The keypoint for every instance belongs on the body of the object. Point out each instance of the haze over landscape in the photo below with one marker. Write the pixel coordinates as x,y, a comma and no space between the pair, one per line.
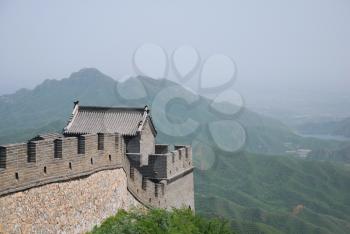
275,160
292,56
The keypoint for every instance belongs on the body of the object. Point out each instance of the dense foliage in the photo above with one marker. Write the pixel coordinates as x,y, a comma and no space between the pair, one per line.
158,221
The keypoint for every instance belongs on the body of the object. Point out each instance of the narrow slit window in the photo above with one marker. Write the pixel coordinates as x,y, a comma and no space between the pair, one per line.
31,149
81,145
58,148
156,190
2,158
117,141
100,141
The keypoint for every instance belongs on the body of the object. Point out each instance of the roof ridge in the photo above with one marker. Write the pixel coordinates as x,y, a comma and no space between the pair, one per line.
112,108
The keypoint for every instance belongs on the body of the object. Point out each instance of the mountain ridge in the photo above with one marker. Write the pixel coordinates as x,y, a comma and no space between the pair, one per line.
52,101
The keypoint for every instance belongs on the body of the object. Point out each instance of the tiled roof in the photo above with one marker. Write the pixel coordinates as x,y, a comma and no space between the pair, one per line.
123,120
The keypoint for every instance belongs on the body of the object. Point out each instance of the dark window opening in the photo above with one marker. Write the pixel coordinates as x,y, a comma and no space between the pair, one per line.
132,173
91,161
110,158
58,148
116,141
2,158
81,145
45,171
17,176
100,141
31,152
70,165
144,183
156,190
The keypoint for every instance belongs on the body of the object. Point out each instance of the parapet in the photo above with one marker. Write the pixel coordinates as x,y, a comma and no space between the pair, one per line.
150,183
46,160
56,158
164,164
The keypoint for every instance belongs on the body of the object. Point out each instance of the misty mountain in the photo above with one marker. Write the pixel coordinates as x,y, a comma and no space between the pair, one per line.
48,106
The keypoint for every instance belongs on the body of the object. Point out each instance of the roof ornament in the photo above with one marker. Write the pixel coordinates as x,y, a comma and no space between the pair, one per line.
73,115
146,109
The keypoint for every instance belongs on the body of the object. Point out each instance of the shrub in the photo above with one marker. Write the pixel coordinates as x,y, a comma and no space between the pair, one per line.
159,221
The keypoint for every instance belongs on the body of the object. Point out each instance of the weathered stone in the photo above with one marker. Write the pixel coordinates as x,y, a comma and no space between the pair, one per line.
71,207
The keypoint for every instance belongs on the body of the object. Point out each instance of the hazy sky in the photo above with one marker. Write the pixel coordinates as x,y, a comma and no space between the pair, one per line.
278,45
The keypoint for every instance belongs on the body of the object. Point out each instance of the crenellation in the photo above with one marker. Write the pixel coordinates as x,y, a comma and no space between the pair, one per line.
155,176
161,148
20,174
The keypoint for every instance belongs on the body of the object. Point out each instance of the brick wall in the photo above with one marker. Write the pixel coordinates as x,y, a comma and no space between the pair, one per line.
20,174
165,182
166,173
147,143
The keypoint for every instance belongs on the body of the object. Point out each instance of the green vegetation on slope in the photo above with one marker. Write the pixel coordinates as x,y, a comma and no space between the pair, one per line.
157,221
275,194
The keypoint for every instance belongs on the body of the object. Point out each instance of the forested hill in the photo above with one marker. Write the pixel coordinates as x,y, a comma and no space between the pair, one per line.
48,106
275,194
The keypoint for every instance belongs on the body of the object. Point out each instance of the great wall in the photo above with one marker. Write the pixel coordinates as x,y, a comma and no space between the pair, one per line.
85,173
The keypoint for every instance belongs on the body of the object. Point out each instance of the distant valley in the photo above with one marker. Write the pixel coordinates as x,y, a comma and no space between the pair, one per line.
332,128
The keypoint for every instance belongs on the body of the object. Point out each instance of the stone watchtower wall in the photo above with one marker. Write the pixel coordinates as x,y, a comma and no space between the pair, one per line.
30,170
40,162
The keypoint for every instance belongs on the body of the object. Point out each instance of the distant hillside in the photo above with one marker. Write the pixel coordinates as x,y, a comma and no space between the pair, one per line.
48,106
333,128
276,194
342,154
